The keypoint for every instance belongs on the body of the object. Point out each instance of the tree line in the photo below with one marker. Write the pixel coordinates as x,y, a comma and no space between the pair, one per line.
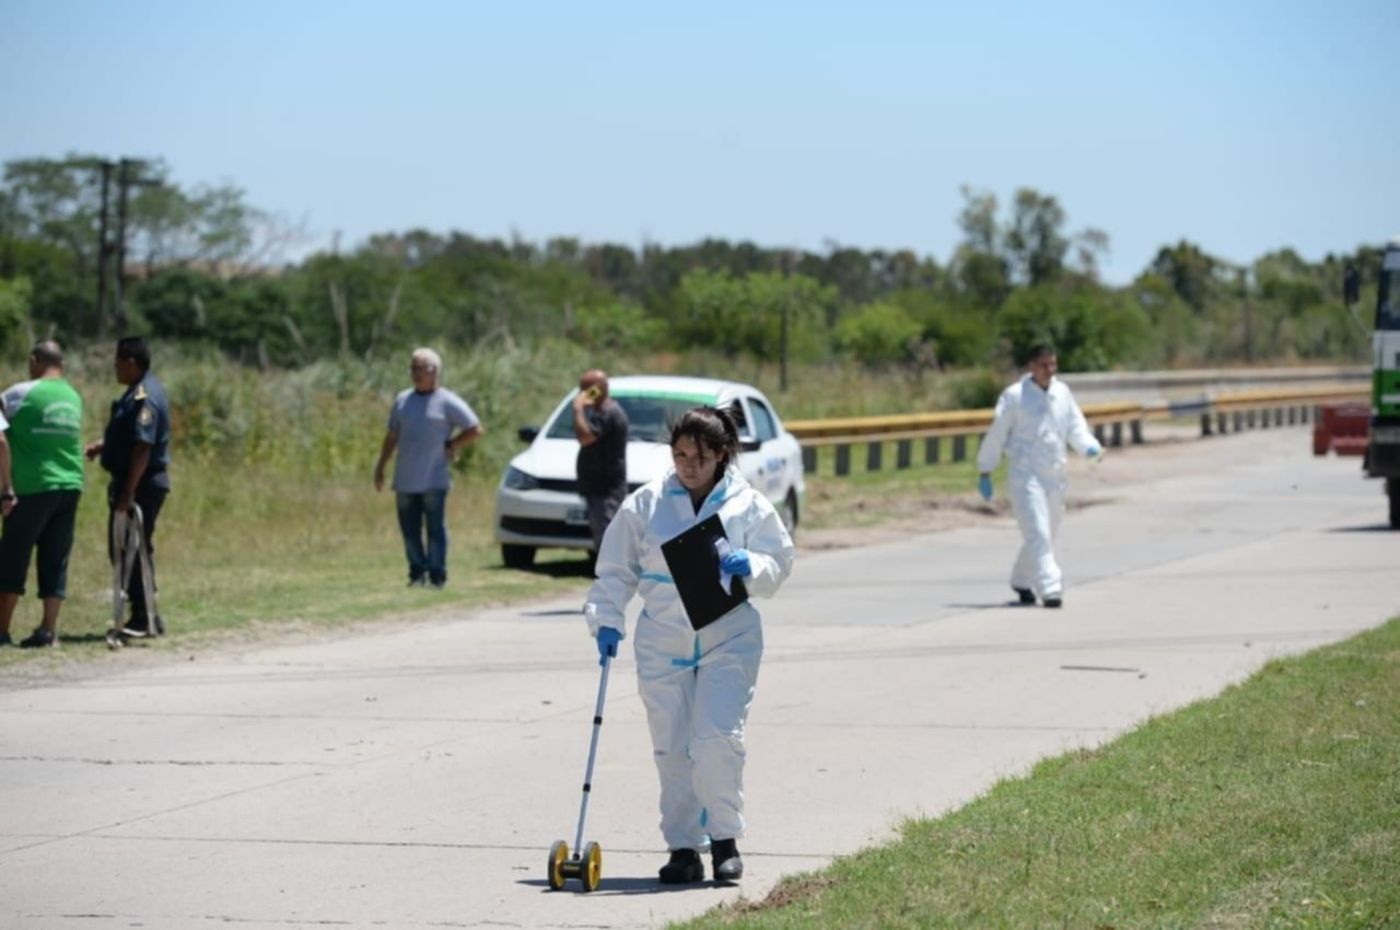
200,264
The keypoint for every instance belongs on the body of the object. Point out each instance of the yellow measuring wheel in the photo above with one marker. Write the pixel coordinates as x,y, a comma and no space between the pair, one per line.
586,865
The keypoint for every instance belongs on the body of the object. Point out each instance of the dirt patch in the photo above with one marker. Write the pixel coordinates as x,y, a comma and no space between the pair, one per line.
789,891
61,666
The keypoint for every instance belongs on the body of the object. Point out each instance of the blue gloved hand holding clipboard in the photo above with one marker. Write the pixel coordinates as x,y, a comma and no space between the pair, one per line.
694,558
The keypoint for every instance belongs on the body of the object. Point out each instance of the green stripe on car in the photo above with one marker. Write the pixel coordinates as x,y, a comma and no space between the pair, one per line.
669,395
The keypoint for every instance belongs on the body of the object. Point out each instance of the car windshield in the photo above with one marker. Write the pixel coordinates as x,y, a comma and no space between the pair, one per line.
650,414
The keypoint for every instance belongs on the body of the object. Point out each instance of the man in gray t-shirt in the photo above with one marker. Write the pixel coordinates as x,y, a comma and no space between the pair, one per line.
422,424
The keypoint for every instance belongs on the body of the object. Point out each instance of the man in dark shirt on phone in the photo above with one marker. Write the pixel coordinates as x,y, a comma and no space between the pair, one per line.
601,425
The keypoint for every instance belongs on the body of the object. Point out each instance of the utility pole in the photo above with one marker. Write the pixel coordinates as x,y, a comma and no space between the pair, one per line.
102,252
128,176
128,173
783,347
788,261
1248,334
123,182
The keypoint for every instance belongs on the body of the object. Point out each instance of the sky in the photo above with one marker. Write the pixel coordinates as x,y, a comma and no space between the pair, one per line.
1241,126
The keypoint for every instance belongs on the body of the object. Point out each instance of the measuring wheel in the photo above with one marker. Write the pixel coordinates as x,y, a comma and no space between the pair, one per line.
587,868
591,867
558,858
587,862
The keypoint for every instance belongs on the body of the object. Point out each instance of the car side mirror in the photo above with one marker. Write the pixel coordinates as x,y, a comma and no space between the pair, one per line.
749,445
528,433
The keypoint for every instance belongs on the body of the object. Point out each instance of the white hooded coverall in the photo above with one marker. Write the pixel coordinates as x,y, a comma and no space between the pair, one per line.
1032,426
697,685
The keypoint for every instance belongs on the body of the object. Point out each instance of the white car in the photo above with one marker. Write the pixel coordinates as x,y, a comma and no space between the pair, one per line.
538,504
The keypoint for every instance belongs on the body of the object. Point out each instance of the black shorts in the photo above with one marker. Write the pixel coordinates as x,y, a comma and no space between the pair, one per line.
45,522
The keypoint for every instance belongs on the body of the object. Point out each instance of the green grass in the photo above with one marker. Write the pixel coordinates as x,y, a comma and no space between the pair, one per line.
256,547
233,553
273,519
871,498
1275,805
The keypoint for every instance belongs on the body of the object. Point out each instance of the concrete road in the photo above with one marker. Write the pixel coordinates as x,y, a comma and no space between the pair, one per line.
416,777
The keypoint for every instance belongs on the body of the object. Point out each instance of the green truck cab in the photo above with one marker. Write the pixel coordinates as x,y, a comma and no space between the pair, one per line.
1383,447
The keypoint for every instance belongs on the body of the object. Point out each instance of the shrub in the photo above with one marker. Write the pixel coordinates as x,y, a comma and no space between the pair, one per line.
976,390
1091,330
618,327
878,333
14,314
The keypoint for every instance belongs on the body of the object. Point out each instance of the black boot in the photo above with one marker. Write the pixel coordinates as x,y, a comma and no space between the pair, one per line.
1025,595
724,854
39,639
683,868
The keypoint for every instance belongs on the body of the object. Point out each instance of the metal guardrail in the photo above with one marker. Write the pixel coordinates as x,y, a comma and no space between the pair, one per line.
1149,386
1221,413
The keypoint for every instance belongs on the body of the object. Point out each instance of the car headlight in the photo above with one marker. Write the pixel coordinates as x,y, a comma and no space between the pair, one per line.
518,480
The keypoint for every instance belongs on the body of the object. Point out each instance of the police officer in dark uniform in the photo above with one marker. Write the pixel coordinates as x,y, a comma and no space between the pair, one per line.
135,451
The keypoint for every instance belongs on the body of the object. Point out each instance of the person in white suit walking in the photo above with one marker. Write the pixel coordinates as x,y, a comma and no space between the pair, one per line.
1035,419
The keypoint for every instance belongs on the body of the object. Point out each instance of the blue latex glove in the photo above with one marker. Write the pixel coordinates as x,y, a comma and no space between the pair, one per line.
984,487
608,638
737,563
1094,451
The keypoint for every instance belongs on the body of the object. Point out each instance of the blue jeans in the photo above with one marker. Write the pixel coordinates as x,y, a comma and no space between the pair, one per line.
414,511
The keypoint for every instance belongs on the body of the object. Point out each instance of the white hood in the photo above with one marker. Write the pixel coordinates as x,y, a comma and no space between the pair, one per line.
558,459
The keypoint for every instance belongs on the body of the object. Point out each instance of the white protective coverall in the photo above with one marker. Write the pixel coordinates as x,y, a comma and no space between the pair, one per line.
1032,426
696,685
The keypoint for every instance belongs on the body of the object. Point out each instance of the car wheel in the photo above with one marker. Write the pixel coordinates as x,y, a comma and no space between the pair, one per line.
788,512
518,556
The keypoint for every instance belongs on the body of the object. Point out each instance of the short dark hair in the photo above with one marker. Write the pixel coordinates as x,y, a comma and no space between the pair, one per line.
712,428
47,353
135,348
1039,351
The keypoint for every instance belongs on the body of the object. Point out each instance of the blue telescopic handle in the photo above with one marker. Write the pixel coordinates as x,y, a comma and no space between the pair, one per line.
592,753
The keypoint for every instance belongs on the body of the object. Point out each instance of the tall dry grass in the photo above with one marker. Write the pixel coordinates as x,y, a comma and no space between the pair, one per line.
273,514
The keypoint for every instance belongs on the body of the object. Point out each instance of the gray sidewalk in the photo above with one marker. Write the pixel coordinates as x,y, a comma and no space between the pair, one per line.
416,778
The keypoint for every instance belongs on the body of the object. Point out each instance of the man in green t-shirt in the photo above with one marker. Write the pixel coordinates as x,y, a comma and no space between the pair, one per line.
45,434
7,489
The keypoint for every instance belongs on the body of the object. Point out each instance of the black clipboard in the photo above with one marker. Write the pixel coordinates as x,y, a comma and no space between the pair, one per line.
694,565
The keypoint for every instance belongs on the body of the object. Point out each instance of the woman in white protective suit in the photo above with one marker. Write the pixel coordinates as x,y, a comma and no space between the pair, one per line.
697,685
1035,418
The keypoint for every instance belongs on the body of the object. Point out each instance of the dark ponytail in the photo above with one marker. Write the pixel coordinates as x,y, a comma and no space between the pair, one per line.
714,429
